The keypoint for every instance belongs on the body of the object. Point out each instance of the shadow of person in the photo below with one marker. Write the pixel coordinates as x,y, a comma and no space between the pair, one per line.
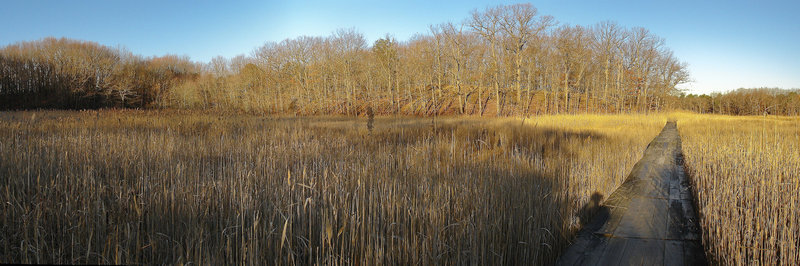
593,211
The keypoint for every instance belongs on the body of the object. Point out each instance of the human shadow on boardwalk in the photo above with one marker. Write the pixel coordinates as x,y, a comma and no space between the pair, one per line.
594,213
649,218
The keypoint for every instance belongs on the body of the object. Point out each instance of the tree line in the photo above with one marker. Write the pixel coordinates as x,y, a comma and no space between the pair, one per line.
503,60
72,74
758,101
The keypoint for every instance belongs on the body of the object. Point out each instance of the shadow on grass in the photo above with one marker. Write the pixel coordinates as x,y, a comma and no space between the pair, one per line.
419,192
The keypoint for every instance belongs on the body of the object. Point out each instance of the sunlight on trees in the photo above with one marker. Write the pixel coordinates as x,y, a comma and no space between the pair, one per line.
503,60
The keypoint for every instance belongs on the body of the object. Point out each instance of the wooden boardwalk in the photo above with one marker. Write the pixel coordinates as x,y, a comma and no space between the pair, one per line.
649,220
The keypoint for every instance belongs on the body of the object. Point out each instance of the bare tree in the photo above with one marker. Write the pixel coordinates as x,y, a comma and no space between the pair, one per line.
520,25
385,50
487,25
608,39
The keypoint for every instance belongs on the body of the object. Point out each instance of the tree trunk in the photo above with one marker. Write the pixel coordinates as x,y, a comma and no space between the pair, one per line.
497,94
566,92
480,94
519,78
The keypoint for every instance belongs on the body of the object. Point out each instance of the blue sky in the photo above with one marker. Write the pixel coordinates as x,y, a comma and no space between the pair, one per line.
727,44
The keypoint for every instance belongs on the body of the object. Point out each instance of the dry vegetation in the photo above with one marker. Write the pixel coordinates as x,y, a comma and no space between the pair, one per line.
746,174
505,60
149,187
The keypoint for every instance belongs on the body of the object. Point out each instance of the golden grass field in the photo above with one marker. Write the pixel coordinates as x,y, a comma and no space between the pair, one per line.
747,176
130,186
158,187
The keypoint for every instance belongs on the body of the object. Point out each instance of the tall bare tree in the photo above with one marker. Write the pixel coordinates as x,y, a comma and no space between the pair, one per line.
521,25
487,25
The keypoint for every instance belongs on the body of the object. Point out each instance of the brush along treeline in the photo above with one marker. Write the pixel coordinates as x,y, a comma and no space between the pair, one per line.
149,187
746,172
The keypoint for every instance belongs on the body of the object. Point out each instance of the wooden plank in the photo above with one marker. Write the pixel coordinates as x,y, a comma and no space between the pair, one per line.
673,253
643,252
612,254
645,218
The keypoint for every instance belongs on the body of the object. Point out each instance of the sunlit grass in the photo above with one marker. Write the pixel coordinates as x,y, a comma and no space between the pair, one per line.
747,176
155,187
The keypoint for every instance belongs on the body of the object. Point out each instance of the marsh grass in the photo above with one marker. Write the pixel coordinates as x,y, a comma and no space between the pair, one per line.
746,172
155,187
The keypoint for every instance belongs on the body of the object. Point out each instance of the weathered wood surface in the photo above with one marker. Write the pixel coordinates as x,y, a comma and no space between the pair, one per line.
649,220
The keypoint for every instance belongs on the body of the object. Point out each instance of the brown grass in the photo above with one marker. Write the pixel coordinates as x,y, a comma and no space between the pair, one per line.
151,187
747,176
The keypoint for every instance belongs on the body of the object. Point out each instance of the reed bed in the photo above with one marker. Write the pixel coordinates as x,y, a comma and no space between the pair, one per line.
746,171
127,187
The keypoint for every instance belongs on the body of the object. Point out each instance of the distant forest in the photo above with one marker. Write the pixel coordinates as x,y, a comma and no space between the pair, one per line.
504,60
760,101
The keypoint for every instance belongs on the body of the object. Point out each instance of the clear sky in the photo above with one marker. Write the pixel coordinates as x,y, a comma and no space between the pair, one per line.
727,44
